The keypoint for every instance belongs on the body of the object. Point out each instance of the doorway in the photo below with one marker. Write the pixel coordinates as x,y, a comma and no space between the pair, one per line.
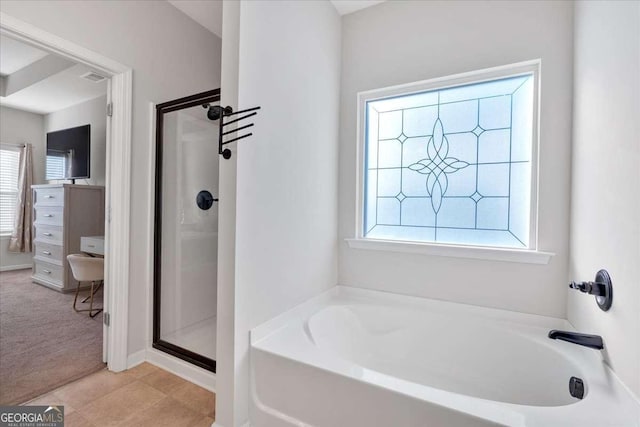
117,177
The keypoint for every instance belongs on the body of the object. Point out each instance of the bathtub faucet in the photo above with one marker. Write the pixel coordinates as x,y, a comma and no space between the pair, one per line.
601,288
586,340
591,288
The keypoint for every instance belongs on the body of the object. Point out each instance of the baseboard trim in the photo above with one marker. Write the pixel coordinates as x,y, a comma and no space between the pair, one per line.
216,424
179,367
136,358
16,267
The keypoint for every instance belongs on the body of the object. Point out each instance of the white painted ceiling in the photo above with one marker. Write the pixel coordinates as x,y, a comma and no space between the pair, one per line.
208,13
15,55
53,93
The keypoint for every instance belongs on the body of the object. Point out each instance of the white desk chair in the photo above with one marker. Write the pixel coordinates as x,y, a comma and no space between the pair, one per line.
87,269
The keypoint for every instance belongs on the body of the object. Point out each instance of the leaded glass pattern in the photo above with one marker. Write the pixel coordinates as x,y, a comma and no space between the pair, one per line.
451,165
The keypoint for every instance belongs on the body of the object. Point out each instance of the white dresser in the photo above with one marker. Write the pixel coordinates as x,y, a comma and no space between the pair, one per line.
62,213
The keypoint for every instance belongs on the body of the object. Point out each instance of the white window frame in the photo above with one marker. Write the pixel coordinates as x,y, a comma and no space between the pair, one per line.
532,254
16,148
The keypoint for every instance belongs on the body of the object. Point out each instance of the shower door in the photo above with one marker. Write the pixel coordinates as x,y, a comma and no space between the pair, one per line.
186,229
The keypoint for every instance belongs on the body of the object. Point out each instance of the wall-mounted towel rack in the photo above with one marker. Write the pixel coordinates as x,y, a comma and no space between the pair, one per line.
218,112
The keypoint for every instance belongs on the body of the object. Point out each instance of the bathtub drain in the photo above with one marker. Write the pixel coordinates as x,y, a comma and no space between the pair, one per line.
576,387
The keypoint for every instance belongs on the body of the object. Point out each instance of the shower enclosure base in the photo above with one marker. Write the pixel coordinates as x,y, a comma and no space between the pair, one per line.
190,372
199,337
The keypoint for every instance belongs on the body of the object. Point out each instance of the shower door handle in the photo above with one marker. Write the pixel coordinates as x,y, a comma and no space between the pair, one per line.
205,200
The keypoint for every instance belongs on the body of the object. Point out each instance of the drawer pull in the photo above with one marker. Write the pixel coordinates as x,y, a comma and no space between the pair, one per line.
47,271
48,216
46,252
48,196
91,246
47,234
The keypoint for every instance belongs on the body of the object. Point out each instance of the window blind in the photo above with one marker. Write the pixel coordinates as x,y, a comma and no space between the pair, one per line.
56,166
9,167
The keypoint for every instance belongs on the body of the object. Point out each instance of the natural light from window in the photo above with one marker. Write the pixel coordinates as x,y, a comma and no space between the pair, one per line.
56,166
452,165
9,164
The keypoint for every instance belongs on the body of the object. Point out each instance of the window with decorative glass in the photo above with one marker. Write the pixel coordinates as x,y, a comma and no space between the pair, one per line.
452,161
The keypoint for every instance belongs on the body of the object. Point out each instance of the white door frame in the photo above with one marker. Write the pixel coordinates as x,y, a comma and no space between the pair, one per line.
118,177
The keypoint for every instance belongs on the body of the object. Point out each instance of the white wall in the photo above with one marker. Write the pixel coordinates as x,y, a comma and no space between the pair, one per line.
605,203
11,260
286,206
93,112
171,57
226,391
19,127
405,41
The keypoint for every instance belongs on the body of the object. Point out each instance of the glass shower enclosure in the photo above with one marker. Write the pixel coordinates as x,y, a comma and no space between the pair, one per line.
186,229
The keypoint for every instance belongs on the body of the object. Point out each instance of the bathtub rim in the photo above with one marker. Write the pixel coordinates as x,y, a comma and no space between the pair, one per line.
621,400
301,311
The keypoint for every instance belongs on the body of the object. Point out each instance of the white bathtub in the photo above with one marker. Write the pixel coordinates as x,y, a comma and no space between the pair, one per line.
352,357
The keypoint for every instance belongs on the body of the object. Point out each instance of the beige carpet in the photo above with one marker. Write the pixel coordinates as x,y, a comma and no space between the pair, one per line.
43,343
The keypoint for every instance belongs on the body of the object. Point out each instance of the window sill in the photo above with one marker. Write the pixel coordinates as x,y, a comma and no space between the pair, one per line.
455,251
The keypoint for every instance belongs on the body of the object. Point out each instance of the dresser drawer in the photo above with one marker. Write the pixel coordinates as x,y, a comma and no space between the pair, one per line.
48,196
51,215
49,234
50,272
48,252
92,245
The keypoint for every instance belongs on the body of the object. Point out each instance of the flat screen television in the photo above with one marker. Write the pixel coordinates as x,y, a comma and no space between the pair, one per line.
68,153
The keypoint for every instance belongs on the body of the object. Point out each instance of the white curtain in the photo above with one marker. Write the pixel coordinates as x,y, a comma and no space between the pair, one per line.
22,235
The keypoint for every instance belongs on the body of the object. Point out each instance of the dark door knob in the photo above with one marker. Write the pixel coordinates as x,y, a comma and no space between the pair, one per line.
205,200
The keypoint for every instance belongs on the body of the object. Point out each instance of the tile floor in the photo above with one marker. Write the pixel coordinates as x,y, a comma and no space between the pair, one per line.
142,396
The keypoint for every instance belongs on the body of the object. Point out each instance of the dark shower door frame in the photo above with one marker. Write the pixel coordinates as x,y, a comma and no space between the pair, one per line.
161,109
